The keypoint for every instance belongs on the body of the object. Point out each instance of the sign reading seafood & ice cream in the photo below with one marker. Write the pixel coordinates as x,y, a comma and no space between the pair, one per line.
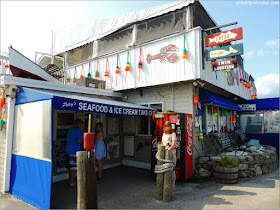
224,37
224,52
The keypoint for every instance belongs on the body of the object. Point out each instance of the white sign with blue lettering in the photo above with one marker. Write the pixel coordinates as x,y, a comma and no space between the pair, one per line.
86,106
247,107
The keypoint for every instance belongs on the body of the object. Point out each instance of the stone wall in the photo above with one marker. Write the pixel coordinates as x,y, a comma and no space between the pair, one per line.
252,163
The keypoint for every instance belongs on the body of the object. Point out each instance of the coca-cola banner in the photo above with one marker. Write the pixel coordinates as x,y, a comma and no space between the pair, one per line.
189,147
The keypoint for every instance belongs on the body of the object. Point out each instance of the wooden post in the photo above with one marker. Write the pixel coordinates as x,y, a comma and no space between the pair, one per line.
167,186
81,180
159,188
91,182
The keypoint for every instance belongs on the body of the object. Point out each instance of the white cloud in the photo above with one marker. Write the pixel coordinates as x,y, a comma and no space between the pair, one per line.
261,52
249,53
273,43
276,53
267,86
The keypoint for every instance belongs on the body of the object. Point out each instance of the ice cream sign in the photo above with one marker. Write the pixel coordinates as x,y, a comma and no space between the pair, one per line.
224,52
224,37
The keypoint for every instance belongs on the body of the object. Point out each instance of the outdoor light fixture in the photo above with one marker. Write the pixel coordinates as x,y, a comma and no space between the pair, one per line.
195,83
201,83
125,97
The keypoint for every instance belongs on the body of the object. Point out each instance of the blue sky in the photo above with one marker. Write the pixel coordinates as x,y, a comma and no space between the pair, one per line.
260,25
29,30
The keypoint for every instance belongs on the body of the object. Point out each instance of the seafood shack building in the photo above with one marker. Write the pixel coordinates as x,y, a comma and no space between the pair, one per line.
137,58
139,54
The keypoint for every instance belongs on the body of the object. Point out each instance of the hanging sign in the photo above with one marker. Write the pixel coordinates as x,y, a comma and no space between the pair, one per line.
166,54
224,64
224,37
224,52
247,107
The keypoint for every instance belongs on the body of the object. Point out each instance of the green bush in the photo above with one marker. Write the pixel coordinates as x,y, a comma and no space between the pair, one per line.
227,161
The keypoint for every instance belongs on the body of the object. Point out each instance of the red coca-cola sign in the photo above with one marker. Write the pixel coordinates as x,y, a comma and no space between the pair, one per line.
167,54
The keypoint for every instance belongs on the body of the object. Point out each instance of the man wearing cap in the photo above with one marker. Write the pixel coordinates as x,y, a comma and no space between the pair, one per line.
74,141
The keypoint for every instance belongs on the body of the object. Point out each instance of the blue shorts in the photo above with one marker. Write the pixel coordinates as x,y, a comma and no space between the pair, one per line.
100,151
72,163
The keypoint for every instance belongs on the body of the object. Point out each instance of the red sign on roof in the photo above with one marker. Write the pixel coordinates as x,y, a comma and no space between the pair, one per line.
224,37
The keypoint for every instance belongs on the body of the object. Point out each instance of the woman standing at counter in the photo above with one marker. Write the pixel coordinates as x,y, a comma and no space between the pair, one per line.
100,151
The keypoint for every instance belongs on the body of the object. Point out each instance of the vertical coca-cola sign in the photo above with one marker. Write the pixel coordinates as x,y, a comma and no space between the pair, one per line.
189,147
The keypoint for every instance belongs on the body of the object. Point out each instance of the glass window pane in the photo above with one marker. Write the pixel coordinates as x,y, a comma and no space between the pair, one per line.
271,121
210,120
252,123
215,120
161,26
143,125
115,42
203,119
79,55
157,107
129,125
65,119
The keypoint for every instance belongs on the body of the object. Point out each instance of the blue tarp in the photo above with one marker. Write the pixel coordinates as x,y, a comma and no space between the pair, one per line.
31,180
210,98
265,103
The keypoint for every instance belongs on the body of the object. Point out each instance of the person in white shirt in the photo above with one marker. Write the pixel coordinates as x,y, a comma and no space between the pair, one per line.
169,140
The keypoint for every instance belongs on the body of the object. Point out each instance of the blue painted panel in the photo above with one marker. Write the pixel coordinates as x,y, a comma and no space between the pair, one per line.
31,180
265,103
271,139
26,95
